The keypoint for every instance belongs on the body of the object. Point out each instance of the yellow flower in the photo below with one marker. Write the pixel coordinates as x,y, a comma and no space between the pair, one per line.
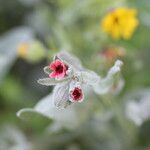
120,22
31,51
23,49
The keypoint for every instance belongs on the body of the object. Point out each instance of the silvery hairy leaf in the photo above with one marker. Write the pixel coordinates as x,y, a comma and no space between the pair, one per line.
89,77
47,70
70,60
102,86
117,86
115,69
61,95
45,107
52,81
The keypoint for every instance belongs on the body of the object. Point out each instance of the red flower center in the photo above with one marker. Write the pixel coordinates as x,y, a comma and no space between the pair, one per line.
59,68
76,94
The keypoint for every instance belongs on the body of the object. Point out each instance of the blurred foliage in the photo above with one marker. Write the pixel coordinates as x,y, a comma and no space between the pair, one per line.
72,25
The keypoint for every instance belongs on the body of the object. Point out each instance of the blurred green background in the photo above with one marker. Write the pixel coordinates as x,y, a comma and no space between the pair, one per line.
31,32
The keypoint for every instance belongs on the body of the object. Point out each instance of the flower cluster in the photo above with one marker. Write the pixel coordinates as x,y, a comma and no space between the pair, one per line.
69,76
60,71
120,22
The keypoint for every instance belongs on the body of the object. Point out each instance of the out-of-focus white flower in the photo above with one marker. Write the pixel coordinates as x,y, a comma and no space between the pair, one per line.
8,47
138,106
12,138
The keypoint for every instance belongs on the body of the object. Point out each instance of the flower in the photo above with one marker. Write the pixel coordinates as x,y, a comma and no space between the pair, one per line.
137,106
76,95
69,89
58,68
22,49
120,22
32,51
